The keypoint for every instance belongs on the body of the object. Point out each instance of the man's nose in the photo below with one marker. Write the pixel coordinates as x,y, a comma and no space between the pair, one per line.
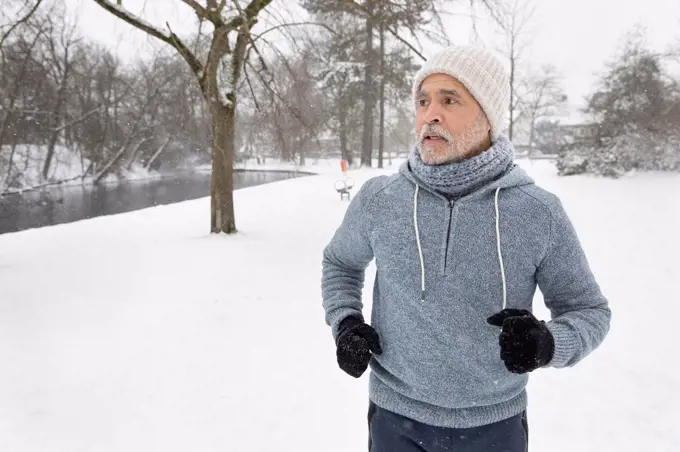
433,114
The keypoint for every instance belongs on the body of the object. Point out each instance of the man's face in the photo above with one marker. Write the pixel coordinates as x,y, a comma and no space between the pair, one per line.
450,124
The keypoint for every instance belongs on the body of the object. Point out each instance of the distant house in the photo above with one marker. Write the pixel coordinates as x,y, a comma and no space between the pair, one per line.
581,133
579,128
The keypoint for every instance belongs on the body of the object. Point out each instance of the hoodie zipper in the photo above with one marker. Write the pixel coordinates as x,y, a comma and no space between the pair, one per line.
448,235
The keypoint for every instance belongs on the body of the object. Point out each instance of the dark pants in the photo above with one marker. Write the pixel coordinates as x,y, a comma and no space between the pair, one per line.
390,432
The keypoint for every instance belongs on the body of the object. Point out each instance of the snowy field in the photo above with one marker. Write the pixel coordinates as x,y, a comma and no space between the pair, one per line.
140,332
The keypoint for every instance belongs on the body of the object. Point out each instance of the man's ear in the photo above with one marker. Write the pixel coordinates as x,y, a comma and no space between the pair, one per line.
486,120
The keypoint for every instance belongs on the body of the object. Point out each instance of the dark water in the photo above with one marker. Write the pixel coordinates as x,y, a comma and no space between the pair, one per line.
66,204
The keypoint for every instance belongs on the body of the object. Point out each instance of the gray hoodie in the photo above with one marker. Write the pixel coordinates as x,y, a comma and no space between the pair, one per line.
443,268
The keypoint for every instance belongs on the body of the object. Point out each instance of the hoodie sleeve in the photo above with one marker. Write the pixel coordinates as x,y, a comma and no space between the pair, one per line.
580,313
345,260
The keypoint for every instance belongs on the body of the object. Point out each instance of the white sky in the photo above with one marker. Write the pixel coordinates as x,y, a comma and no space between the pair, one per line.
578,36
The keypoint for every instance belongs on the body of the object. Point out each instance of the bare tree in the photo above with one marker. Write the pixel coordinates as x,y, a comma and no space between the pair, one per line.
514,19
14,77
26,10
218,74
101,85
59,58
22,92
291,116
63,98
541,96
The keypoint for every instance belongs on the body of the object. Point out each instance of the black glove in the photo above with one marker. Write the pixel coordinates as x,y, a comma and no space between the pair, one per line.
526,343
356,340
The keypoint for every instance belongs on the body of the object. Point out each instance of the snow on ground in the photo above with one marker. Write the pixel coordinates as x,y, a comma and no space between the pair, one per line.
66,166
312,165
28,162
141,332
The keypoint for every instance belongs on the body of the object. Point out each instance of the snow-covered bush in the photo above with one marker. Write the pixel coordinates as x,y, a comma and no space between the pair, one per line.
633,152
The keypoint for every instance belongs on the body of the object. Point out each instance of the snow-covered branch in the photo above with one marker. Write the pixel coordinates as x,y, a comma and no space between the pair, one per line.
157,153
23,20
249,14
76,121
165,36
295,24
200,11
134,20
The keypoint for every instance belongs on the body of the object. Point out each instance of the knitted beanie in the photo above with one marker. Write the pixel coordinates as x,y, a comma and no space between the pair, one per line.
481,72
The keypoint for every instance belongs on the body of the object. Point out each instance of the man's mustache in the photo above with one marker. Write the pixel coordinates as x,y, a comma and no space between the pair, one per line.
429,129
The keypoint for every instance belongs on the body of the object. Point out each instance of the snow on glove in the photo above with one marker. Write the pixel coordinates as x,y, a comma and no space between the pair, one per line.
526,343
356,340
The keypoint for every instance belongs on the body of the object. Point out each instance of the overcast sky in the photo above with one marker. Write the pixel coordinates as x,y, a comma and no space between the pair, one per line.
578,36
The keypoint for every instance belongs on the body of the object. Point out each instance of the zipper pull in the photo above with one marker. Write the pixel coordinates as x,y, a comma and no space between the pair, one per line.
451,202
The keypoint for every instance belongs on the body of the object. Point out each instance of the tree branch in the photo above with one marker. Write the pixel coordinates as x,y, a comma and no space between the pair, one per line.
76,121
247,34
295,24
250,86
200,11
267,85
168,37
396,35
250,13
19,22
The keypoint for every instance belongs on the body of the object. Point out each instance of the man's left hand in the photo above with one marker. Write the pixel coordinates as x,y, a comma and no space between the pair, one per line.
526,343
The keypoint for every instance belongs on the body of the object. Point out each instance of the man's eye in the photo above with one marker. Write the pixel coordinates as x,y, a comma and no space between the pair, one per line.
451,101
422,102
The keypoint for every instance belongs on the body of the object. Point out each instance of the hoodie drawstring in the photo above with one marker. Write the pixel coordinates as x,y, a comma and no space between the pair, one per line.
498,246
420,248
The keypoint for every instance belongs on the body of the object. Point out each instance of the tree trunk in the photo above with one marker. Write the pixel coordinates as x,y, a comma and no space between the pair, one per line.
156,154
531,133
367,139
54,135
135,151
9,180
107,168
16,91
222,182
6,123
81,155
221,101
9,167
57,114
58,108
381,134
344,150
301,157
116,158
512,87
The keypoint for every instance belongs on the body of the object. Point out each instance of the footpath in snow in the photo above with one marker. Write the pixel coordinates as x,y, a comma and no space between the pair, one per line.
141,332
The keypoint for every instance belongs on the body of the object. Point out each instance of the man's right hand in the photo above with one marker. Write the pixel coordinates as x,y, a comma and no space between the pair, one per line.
356,341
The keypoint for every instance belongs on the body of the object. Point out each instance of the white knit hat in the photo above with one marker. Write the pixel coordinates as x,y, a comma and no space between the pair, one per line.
481,72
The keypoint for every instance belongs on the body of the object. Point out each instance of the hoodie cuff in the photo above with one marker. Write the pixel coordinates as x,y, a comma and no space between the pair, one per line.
567,344
338,316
